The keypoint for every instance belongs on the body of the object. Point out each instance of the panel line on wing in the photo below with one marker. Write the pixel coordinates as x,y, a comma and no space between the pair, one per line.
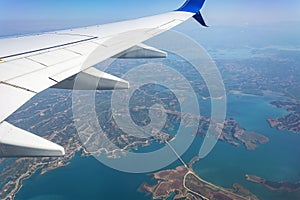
48,48
28,58
19,87
67,49
53,80
73,34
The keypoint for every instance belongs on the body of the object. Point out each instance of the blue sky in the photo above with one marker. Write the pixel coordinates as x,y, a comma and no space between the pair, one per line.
18,14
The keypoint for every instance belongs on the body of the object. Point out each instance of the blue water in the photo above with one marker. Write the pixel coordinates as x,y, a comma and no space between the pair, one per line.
86,178
277,160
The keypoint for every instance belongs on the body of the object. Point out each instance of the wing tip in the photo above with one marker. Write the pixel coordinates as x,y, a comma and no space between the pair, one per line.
193,6
198,17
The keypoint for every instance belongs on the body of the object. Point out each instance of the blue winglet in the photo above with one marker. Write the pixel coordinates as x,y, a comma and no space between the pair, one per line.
192,6
198,17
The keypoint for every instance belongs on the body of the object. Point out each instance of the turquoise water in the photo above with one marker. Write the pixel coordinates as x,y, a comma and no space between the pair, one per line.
86,178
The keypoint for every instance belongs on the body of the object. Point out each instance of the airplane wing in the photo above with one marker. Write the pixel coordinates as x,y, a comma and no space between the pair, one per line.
31,64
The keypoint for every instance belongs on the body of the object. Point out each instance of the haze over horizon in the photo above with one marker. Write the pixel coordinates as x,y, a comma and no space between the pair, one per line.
33,15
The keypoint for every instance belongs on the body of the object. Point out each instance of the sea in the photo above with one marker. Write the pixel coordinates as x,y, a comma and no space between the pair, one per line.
278,160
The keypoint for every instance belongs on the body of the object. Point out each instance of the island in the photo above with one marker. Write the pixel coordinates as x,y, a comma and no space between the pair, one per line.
274,185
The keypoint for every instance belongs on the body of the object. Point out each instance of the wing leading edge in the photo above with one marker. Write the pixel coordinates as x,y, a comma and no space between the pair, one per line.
31,64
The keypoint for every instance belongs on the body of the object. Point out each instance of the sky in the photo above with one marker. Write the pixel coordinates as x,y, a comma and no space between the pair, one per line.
16,15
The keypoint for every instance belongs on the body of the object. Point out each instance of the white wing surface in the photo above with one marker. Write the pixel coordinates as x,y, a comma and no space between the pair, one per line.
31,64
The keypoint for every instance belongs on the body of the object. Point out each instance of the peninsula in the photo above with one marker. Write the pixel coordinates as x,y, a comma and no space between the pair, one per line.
184,183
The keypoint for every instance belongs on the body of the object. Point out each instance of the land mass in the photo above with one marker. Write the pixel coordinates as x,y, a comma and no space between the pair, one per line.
233,133
274,185
184,183
56,124
290,121
51,114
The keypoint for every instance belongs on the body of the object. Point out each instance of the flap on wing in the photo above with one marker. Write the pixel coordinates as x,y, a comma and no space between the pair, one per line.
15,142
